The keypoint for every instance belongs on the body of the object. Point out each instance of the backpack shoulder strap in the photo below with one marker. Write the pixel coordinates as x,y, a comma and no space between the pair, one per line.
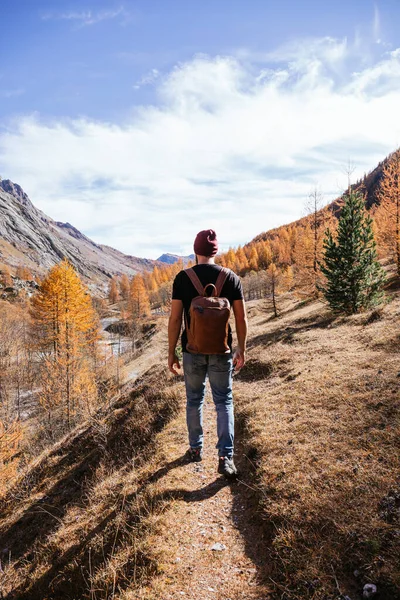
219,284
195,280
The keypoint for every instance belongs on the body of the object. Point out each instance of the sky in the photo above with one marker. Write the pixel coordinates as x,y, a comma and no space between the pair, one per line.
141,122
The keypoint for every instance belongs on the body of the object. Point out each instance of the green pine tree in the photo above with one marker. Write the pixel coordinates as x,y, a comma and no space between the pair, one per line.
354,278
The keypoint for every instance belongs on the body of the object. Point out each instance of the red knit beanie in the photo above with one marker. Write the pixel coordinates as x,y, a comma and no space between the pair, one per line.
206,243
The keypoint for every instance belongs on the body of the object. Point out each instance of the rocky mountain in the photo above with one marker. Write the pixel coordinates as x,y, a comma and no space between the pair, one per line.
170,259
30,238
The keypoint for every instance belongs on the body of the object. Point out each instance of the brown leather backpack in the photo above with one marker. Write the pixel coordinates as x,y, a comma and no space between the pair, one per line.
209,317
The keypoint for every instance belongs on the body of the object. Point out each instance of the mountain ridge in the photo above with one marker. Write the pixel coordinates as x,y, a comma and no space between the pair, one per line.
169,258
28,237
368,185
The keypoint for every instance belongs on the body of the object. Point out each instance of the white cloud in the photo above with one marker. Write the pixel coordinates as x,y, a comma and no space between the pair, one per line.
234,143
86,17
149,79
380,79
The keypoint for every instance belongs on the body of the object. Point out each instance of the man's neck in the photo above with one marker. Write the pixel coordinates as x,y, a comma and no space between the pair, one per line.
205,260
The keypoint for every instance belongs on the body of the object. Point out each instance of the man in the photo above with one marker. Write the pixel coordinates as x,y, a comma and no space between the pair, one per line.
218,367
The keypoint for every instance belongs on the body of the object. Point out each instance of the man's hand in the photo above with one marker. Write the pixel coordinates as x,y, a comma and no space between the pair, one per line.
238,359
174,328
241,332
173,361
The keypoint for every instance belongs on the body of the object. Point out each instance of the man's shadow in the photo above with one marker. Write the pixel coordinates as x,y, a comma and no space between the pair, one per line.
199,495
65,588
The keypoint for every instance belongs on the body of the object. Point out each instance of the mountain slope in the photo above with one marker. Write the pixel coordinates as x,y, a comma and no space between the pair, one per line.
113,510
368,185
30,238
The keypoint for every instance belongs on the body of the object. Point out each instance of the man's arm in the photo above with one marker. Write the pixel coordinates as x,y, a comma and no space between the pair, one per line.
239,310
174,329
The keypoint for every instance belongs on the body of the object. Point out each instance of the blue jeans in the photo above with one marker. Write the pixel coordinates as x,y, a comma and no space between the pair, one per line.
219,368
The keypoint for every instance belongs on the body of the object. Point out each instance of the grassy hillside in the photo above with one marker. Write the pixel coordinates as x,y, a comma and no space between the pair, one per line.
314,514
319,405
75,522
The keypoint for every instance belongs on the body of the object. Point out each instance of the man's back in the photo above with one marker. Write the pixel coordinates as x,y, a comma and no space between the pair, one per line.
184,290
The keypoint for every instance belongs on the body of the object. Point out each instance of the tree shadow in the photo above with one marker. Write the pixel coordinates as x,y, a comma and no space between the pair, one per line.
287,335
162,471
199,495
42,517
130,435
393,283
77,560
255,370
257,532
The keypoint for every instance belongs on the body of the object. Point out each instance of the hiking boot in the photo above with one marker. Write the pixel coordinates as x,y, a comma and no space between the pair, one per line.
194,454
226,467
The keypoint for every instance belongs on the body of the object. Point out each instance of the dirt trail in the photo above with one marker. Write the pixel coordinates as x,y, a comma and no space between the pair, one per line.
205,511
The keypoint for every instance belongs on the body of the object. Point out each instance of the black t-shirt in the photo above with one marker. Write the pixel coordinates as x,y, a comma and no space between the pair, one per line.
184,290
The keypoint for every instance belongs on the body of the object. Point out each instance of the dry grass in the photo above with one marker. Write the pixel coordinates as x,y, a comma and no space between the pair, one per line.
75,526
323,432
104,513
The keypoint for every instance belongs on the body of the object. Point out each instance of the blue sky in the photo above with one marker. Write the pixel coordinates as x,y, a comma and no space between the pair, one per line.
141,122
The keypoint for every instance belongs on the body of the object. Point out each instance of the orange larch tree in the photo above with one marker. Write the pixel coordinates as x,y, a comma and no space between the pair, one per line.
66,327
230,259
253,259
124,286
139,303
241,263
138,307
264,254
5,277
113,293
387,214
